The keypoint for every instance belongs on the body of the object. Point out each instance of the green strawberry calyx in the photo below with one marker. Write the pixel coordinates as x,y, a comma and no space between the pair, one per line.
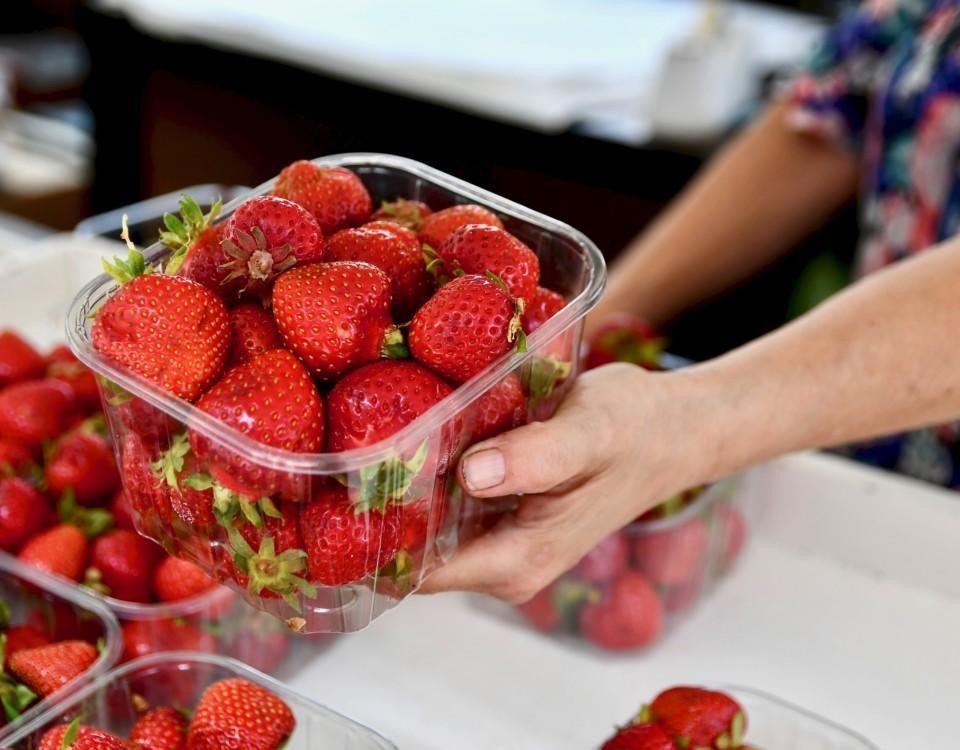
182,231
515,331
733,738
435,265
253,259
15,697
125,270
170,463
229,505
388,481
393,346
91,521
266,569
70,736
543,376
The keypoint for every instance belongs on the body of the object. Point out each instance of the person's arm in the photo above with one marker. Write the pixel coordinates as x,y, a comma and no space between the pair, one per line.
762,194
877,358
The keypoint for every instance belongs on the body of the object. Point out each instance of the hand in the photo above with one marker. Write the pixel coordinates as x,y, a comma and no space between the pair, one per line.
614,449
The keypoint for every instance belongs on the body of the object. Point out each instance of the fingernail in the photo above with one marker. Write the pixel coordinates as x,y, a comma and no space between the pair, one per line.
484,469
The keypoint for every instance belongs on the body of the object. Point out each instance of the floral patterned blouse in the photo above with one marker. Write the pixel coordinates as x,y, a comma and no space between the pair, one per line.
885,81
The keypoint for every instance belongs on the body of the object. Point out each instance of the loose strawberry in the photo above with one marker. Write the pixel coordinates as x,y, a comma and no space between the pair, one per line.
120,510
236,713
625,338
122,565
396,251
335,196
406,213
175,579
46,669
481,249
640,737
63,365
673,555
266,236
24,512
82,460
465,326
336,316
544,304
36,411
14,458
18,360
195,241
501,408
695,717
163,728
629,614
61,551
342,544
20,637
253,331
606,561
76,736
441,224
171,331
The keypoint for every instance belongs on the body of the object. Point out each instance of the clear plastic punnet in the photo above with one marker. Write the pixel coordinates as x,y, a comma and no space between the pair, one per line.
414,469
178,678
62,612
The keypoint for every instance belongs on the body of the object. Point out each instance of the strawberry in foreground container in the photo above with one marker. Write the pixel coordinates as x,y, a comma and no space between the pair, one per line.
308,374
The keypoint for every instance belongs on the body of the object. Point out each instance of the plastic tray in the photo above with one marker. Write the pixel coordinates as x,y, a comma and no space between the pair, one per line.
178,678
27,591
570,264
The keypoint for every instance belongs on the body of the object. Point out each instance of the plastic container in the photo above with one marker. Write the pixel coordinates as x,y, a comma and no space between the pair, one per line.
64,613
414,468
638,583
178,679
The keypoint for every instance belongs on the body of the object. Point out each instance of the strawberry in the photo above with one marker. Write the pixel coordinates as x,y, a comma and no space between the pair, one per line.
336,316
143,637
544,304
14,458
406,213
63,365
640,737
481,249
82,460
334,195
465,326
186,488
175,579
122,565
20,637
499,409
239,714
60,551
266,236
419,518
24,511
253,331
46,669
171,331
205,263
541,611
606,561
396,251
147,496
628,615
342,544
76,736
35,411
440,225
137,415
163,728
699,718
120,510
683,596
673,555
625,338
18,360
195,241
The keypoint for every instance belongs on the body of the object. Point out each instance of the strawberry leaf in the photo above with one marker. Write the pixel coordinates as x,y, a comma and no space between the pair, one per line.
542,377
389,480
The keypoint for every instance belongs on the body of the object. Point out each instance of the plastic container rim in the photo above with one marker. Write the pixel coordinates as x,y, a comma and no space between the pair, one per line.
418,430
704,500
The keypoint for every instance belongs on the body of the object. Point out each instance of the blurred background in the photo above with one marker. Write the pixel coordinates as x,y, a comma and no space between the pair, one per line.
596,112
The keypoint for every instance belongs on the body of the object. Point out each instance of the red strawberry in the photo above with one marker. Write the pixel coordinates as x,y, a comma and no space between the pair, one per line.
20,637
440,225
628,615
266,236
147,496
336,316
137,415
195,242
82,460
18,360
46,669
541,611
465,326
673,555
499,409
120,510
236,713
142,637
24,511
76,736
543,306
640,737
625,338
481,249
188,489
35,411
335,196
406,213
61,551
176,579
606,561
14,458
419,518
695,717
342,544
396,251
253,331
163,728
122,565
64,366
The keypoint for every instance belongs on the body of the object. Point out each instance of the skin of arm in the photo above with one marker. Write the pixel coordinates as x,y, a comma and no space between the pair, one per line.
877,358
761,195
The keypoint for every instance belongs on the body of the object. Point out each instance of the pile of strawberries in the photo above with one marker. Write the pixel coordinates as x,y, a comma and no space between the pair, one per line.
684,718
310,322
231,713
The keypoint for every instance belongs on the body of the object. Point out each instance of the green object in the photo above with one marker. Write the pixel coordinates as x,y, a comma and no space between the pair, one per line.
822,277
